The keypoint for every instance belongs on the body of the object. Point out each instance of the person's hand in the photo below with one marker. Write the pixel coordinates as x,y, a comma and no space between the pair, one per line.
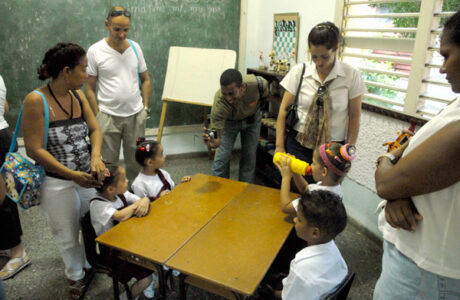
141,207
185,179
85,180
98,169
284,165
402,214
398,152
213,143
165,192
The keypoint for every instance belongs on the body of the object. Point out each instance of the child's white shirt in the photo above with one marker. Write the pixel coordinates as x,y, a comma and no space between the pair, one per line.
150,185
315,272
336,189
102,211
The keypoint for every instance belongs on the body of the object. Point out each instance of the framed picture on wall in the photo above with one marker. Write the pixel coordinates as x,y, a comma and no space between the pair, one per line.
286,36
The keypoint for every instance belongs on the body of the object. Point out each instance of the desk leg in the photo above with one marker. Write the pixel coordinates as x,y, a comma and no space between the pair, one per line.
161,281
116,292
182,290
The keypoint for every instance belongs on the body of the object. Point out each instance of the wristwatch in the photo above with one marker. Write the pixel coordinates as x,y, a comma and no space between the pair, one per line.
389,155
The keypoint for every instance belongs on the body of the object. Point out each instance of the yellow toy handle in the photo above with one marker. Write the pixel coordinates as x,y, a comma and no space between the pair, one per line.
297,166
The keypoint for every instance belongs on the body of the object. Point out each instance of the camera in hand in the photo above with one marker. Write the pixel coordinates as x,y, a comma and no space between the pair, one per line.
212,133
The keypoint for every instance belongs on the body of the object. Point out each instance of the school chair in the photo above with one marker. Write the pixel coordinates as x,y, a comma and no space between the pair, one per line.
95,259
342,291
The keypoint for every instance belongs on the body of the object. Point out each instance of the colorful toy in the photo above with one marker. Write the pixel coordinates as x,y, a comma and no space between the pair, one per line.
297,166
403,137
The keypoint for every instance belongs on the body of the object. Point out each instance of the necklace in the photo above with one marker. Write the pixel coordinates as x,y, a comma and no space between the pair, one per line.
59,104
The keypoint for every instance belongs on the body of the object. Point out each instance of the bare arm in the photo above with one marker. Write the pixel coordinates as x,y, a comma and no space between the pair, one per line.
288,99
354,117
7,108
124,214
90,89
431,166
285,197
33,126
146,88
95,136
300,183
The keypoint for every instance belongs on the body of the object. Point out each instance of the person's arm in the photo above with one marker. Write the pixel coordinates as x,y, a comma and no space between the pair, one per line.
7,108
219,115
124,214
33,127
286,176
146,88
90,89
354,117
432,166
288,99
95,136
300,183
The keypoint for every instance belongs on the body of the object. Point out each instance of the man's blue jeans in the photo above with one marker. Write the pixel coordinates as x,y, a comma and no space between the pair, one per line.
402,279
249,132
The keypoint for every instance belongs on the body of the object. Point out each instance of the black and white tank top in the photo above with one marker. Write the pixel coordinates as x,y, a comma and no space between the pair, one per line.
67,143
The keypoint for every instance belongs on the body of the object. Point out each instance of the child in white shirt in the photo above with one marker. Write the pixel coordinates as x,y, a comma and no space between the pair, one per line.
152,181
318,269
330,164
115,204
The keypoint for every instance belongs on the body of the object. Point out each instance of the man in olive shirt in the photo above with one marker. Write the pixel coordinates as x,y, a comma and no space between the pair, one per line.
236,110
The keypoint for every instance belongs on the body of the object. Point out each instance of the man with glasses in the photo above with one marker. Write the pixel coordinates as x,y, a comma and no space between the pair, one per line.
117,65
236,110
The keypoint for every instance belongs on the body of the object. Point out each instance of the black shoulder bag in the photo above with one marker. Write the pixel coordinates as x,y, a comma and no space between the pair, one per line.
291,110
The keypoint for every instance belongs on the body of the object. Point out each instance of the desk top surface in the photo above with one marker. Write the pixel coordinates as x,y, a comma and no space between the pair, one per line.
174,218
236,249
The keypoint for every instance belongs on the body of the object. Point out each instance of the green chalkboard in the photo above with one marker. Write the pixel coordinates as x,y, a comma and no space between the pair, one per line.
30,27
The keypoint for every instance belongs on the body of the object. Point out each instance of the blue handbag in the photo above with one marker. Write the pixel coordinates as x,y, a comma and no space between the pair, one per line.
22,177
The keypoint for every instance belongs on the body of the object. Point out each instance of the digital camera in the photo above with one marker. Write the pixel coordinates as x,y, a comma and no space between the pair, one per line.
212,133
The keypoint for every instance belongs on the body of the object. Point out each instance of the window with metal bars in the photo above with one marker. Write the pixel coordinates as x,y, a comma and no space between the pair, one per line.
395,44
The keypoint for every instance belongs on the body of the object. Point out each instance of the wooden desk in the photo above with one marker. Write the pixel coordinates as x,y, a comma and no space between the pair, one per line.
173,220
237,247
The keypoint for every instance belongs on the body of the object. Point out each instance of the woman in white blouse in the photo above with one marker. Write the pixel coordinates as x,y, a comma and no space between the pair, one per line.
327,78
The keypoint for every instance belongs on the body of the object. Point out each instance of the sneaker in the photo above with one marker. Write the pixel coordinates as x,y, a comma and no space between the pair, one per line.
77,288
14,266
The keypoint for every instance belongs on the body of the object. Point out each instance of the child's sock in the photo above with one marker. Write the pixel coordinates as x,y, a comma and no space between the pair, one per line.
149,292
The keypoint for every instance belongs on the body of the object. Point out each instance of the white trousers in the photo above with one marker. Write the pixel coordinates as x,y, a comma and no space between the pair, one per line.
64,202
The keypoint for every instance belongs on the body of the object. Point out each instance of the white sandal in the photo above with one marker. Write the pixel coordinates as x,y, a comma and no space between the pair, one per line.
14,265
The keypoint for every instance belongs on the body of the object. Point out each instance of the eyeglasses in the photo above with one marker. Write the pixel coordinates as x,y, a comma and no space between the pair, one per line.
321,91
117,13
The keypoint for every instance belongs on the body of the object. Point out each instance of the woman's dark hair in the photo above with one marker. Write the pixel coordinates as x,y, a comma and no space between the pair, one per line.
325,34
338,155
60,56
324,210
145,149
451,32
230,76
111,177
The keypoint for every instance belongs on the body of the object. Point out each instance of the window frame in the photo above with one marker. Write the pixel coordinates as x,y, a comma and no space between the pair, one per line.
420,47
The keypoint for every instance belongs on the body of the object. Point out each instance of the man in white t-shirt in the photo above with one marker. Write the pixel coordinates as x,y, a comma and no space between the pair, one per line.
117,65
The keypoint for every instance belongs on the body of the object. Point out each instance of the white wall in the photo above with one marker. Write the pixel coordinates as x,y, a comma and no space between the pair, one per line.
260,24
